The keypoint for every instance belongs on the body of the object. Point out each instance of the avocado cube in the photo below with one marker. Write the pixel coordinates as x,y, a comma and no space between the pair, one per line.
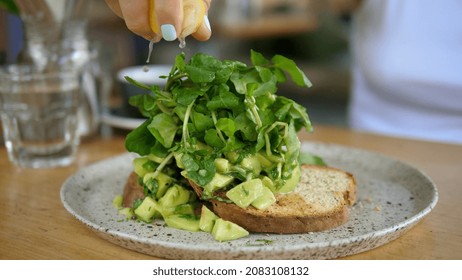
245,193
265,200
127,212
222,165
185,222
218,181
251,163
207,220
118,201
140,166
226,231
163,182
174,196
146,210
291,183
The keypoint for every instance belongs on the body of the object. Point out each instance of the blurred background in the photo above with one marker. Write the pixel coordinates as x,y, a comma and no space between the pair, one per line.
303,30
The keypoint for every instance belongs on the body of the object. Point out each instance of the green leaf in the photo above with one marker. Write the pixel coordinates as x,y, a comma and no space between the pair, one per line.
201,121
290,67
136,83
140,140
227,125
186,95
257,58
212,139
309,158
225,100
199,75
163,127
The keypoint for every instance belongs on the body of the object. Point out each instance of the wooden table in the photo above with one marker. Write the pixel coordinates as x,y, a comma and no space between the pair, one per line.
35,225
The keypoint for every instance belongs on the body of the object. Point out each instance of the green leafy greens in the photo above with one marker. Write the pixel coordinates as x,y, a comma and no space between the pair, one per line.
210,107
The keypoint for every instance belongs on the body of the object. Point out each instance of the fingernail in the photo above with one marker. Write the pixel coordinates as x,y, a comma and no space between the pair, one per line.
168,32
207,23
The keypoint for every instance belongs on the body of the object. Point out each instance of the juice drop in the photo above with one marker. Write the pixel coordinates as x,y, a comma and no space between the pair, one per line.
145,68
151,47
182,44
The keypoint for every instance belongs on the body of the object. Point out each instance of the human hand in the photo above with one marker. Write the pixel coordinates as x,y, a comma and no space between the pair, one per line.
168,19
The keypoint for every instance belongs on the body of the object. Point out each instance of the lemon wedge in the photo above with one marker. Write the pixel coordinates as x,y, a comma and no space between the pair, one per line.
194,11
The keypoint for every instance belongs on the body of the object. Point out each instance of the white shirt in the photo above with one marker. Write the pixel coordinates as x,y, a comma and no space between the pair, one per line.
407,69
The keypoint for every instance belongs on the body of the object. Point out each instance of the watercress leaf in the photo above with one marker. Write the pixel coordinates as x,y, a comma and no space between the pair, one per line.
246,126
266,74
292,143
189,162
292,69
239,84
136,83
212,139
199,75
309,158
227,125
205,61
140,140
257,58
201,121
233,144
180,111
179,63
159,150
205,174
163,127
265,88
186,95
224,99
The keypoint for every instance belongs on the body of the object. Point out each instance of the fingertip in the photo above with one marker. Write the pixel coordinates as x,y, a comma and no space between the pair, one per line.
205,31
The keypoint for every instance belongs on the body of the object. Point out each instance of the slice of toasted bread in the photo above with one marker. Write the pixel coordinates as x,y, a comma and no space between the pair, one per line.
321,201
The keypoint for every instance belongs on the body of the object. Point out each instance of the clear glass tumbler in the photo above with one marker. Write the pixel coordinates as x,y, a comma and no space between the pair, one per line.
39,115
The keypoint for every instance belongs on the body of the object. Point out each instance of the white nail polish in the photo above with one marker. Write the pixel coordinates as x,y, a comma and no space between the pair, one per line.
207,23
168,32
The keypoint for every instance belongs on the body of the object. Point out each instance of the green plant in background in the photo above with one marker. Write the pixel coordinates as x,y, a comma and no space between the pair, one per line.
10,6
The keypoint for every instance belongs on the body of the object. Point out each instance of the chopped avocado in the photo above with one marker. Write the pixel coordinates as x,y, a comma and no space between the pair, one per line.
251,163
291,183
265,200
264,161
161,181
225,231
127,212
267,182
232,156
245,193
186,222
117,201
143,165
222,165
147,209
207,220
175,195
184,209
218,181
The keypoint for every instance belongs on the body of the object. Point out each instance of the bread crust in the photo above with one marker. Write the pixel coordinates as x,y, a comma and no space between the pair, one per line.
312,206
132,191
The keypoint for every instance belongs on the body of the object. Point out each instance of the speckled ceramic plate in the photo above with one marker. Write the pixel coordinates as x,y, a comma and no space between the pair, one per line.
392,197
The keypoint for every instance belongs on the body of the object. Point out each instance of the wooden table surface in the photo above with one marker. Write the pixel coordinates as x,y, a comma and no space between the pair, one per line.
35,225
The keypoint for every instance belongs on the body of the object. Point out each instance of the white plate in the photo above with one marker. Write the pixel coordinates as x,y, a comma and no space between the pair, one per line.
392,197
122,122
